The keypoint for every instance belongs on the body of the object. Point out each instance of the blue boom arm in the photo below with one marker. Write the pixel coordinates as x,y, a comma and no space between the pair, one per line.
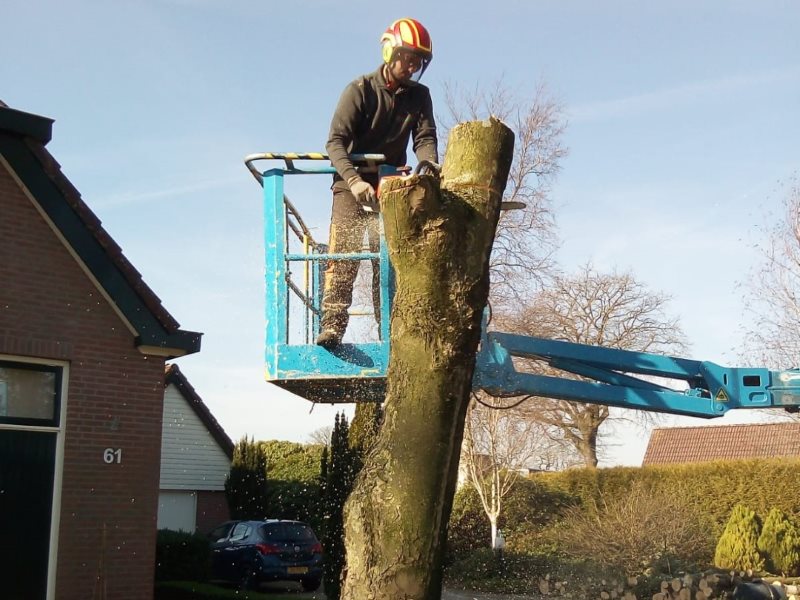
711,390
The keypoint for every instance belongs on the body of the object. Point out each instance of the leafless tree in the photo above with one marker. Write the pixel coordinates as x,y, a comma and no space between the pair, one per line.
526,239
612,310
321,436
498,446
773,298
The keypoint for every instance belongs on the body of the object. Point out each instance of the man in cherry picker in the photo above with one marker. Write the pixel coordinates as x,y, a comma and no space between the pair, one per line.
378,113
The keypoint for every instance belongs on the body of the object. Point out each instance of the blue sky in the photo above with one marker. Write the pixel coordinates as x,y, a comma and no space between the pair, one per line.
683,121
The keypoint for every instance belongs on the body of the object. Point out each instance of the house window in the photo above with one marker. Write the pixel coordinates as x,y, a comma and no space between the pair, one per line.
29,394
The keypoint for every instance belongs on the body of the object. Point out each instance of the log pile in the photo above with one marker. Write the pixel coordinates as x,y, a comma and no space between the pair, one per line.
692,587
715,585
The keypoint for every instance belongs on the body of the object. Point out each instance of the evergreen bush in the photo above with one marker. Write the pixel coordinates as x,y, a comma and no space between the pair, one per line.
529,509
182,556
714,487
246,485
779,543
737,548
468,529
292,461
293,481
341,474
364,428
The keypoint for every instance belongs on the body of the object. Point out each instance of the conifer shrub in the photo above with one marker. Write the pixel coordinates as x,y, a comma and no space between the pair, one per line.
779,543
182,556
737,548
340,472
246,485
294,490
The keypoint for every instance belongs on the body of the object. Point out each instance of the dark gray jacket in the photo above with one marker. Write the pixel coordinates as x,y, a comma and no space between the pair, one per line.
371,119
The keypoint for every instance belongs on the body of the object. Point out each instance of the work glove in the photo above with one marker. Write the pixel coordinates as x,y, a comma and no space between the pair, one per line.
364,194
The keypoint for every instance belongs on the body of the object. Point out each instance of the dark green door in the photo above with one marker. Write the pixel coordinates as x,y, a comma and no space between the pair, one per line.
30,407
27,465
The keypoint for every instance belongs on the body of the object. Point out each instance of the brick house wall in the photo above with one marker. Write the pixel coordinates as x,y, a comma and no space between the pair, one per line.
212,509
50,308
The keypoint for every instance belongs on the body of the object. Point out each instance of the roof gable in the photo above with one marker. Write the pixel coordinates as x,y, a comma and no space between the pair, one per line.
22,149
723,442
173,375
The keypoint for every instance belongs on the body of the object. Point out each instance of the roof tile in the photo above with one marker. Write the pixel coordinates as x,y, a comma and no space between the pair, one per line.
722,442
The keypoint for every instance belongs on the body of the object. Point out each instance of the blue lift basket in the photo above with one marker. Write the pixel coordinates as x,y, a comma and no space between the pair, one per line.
356,372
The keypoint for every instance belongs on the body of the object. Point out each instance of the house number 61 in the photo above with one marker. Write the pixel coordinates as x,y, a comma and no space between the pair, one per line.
111,455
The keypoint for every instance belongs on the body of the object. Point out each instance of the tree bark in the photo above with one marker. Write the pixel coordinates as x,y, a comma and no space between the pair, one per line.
439,235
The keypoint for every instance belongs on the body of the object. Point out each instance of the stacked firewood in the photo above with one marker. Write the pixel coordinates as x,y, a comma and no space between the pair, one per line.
722,585
693,587
708,586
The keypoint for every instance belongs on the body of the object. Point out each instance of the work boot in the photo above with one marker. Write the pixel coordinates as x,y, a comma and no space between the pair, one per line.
329,338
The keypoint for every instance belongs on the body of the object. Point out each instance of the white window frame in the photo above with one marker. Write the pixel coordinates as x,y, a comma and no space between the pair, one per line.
58,470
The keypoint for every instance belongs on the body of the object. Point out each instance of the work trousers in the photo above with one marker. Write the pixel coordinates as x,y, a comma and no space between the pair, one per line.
349,224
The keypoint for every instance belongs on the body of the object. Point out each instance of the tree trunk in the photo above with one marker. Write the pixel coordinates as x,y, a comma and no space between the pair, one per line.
440,236
588,444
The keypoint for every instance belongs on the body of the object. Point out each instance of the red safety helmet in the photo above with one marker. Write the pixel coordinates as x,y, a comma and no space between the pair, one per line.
407,35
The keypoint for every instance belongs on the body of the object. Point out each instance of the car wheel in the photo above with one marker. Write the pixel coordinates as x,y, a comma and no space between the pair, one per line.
310,585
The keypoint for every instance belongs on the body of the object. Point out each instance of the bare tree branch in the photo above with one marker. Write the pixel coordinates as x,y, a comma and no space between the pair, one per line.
612,310
773,295
523,253
321,435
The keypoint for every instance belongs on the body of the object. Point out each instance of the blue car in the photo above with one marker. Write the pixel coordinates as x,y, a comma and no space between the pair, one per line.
247,553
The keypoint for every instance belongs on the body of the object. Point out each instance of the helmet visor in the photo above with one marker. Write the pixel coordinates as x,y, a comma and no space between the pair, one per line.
407,66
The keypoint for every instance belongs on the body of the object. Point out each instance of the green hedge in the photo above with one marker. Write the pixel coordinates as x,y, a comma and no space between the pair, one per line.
716,487
182,556
532,512
527,512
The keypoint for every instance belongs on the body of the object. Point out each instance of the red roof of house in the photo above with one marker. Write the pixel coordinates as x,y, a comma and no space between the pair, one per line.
722,442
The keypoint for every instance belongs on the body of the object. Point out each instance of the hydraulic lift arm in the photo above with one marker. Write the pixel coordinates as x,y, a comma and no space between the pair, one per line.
711,390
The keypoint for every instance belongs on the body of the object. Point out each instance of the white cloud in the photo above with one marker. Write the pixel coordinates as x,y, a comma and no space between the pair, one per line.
169,192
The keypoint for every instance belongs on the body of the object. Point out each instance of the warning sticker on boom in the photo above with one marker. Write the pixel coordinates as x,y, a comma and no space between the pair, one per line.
721,395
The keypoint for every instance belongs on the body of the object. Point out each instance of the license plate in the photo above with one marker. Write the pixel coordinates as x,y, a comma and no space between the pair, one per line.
296,570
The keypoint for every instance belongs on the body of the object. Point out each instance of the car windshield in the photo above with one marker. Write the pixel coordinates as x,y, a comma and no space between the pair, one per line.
288,532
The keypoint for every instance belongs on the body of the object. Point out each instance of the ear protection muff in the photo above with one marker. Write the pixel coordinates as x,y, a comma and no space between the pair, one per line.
388,51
